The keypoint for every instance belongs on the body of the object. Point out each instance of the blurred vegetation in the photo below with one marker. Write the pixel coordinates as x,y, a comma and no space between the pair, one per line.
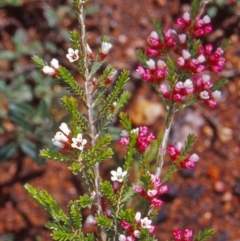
29,101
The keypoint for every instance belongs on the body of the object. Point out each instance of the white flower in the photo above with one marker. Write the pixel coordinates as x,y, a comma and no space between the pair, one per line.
57,143
154,35
89,50
48,70
186,54
151,64
206,19
72,55
105,47
216,94
161,64
138,216
186,16
90,220
206,78
124,133
136,130
204,95
194,157
59,139
54,63
136,233
121,237
201,58
78,142
118,175
146,223
182,38
151,193
64,128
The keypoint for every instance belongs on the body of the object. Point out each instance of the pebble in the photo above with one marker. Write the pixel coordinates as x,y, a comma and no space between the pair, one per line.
219,187
186,173
227,197
161,216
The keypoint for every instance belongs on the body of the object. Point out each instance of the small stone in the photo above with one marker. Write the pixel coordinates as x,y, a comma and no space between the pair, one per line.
186,173
225,134
219,187
227,197
162,216
207,215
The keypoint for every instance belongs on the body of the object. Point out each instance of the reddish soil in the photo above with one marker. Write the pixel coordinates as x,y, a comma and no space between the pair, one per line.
207,197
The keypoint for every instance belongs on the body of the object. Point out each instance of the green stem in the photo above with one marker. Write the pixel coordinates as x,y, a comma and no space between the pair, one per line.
164,140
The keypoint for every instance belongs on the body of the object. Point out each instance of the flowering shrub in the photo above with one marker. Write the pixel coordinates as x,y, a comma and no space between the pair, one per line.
179,67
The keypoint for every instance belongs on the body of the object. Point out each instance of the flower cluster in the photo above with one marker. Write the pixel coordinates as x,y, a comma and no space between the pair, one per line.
175,152
193,65
134,231
51,70
203,90
214,60
63,139
200,87
157,45
187,235
154,191
153,73
195,27
144,138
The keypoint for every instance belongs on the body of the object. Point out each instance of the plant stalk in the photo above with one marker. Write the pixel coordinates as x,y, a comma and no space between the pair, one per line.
164,140
90,110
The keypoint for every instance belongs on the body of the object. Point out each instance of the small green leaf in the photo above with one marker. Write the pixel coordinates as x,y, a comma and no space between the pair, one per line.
126,122
76,168
7,151
67,79
75,214
60,235
22,108
142,56
204,235
85,201
21,121
46,153
31,149
9,55
38,62
51,16
74,38
43,109
107,190
46,200
104,222
219,84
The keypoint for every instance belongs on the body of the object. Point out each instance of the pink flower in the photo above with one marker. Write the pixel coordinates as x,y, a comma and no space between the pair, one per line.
144,138
185,237
126,226
154,73
156,202
214,60
175,150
